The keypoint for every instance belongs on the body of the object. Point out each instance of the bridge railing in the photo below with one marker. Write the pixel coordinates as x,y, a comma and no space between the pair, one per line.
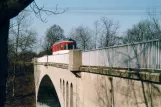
137,55
73,59
58,58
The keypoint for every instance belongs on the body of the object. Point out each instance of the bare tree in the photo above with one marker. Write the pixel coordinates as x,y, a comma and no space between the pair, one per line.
96,32
53,34
83,38
155,18
21,39
143,31
108,34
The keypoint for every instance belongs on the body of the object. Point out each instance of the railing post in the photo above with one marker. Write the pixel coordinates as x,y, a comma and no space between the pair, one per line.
75,60
35,79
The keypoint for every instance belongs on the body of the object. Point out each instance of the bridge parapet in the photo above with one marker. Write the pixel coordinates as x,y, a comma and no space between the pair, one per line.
71,60
59,58
136,55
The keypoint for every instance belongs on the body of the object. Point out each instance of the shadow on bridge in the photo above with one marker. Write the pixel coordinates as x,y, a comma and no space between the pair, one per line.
47,94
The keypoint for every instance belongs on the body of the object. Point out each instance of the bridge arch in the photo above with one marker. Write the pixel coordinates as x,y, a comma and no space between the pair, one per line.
47,92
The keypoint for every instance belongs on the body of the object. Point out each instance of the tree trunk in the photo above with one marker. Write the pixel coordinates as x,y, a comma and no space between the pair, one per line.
4,27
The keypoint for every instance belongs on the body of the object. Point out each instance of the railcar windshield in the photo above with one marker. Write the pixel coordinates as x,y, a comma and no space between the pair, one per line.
72,45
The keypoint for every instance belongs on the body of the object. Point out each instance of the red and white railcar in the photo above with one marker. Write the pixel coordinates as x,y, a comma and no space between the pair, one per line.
63,45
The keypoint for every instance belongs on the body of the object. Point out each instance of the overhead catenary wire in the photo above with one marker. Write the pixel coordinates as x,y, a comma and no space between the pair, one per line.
110,8
114,13
133,10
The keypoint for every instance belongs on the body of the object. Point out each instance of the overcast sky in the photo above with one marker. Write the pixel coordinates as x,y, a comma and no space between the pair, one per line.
85,12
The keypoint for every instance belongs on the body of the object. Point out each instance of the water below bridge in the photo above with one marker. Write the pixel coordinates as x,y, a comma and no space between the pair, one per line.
39,104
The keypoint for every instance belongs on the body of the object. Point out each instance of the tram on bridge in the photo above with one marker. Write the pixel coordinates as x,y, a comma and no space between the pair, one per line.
64,45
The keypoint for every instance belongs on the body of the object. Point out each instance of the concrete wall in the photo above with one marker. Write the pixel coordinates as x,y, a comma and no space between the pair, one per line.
105,91
56,58
95,90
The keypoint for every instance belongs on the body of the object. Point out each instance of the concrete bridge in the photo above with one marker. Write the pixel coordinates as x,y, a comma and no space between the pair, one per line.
119,76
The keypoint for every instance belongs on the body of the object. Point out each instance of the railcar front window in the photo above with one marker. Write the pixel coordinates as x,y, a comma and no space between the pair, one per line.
71,46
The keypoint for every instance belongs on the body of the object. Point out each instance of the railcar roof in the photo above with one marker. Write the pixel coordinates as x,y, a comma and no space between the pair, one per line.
63,41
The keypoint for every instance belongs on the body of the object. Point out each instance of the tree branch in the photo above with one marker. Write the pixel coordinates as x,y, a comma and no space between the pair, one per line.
38,11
